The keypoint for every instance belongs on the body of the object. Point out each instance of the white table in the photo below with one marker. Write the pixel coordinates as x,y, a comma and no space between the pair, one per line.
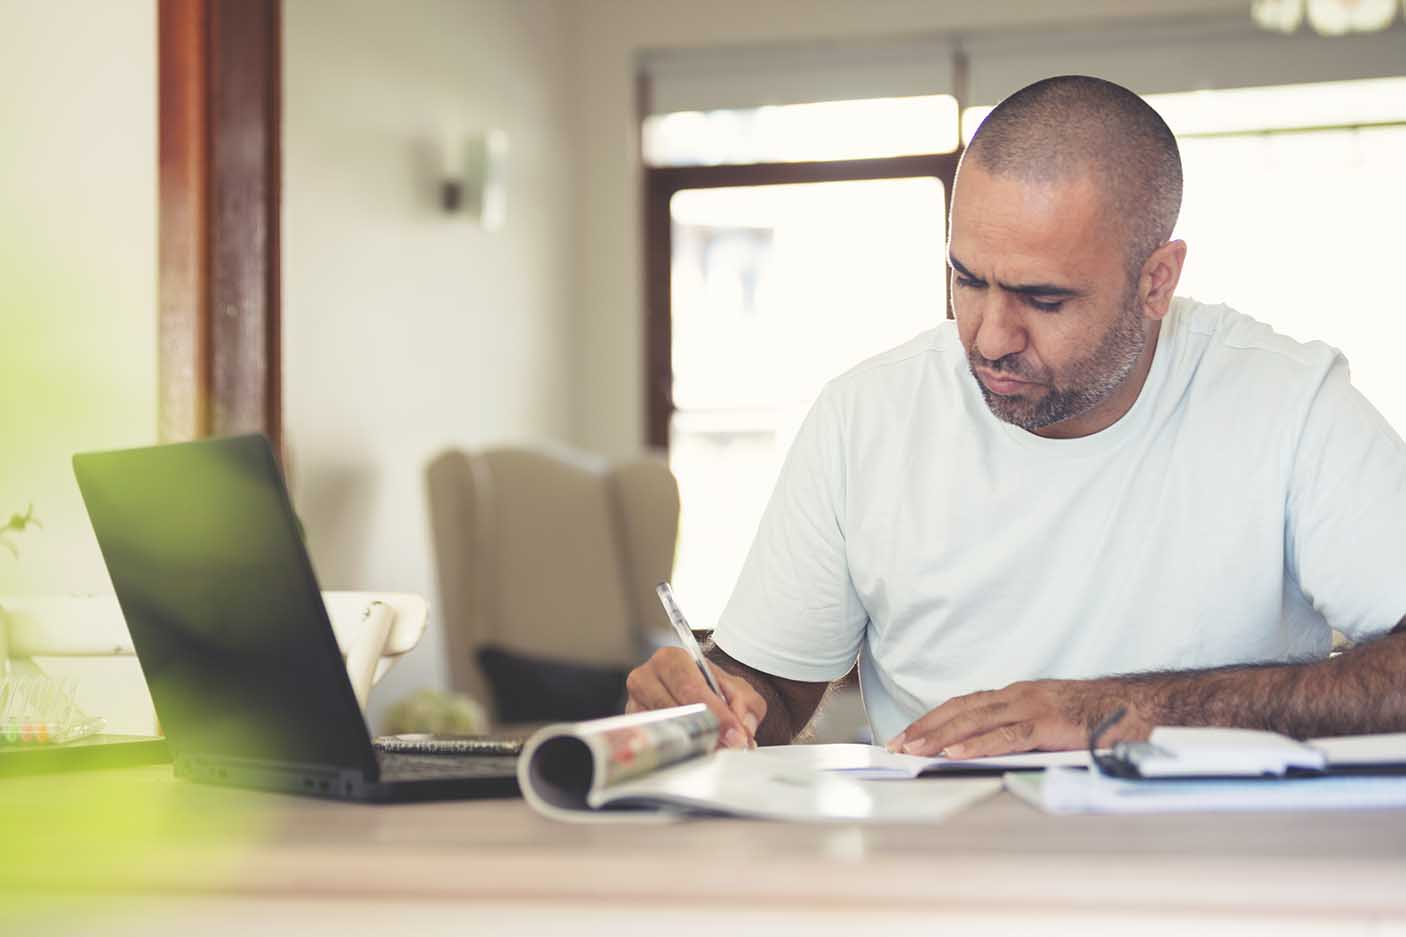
173,857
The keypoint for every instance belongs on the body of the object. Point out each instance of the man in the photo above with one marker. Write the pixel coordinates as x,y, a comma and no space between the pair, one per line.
1081,477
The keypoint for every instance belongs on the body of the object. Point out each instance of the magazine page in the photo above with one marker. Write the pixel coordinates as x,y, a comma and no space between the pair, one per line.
759,785
565,768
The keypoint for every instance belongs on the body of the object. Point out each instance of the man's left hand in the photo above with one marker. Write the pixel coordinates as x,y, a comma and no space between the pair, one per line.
1036,715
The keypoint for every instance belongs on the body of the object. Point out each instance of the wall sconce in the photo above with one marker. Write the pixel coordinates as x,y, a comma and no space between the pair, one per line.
471,171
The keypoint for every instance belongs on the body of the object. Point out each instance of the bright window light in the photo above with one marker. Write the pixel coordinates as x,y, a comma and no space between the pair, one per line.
799,132
777,289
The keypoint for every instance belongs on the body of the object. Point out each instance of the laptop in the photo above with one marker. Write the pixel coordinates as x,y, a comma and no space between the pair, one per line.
228,622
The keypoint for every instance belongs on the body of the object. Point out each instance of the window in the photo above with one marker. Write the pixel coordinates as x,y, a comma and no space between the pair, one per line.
813,238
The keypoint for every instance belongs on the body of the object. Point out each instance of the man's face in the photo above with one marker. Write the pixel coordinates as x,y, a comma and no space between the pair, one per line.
1044,305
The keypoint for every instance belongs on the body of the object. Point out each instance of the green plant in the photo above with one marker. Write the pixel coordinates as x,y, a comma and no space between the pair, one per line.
437,712
18,524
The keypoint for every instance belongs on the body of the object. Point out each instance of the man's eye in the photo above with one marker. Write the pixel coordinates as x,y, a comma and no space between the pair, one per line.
969,282
1044,306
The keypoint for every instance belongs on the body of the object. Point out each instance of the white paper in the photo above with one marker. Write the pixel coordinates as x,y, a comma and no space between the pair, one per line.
1067,790
1347,750
870,762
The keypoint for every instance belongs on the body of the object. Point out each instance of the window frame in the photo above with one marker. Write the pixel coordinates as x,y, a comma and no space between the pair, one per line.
661,184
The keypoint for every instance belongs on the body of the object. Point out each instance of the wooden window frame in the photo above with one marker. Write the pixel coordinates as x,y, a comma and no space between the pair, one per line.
662,183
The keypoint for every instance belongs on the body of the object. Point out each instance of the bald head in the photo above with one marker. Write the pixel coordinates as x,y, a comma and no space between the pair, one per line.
1074,128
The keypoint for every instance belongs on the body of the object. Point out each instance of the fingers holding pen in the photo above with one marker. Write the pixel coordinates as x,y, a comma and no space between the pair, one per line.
647,690
671,678
736,727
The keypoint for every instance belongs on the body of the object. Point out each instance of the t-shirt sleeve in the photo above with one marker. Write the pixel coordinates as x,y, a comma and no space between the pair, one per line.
1346,530
794,612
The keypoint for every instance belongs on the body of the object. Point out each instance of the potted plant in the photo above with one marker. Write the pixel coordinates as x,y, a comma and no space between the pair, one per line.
18,523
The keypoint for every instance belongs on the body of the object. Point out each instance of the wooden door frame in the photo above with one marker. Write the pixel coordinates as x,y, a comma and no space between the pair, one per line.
220,119
660,186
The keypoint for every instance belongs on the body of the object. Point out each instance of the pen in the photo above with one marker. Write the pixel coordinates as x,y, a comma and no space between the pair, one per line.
685,633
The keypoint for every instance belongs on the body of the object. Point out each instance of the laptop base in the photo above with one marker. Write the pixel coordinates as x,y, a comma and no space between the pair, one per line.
495,779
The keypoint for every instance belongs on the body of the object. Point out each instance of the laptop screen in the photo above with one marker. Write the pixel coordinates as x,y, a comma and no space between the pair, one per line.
224,610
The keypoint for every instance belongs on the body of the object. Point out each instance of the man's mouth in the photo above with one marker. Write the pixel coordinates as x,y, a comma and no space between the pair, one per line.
1002,384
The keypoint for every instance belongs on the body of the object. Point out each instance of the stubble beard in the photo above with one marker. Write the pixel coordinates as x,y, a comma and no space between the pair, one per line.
1083,385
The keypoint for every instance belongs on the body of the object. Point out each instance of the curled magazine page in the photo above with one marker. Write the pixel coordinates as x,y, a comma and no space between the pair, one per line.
630,746
566,768
660,766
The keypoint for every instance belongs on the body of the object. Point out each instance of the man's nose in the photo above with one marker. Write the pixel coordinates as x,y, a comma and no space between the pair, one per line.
1002,329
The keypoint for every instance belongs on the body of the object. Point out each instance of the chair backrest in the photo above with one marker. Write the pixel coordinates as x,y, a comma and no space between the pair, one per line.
551,553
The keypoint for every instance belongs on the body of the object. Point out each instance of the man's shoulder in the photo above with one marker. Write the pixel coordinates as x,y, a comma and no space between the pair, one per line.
1245,344
1246,380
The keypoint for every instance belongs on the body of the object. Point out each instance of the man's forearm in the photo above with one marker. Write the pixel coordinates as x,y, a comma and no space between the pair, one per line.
1361,690
782,723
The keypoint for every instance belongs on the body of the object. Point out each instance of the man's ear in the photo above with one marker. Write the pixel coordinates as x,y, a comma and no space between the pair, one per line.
1158,282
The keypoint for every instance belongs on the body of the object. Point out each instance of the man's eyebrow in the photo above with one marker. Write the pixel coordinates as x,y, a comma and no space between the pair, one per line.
1040,289
957,265
1025,289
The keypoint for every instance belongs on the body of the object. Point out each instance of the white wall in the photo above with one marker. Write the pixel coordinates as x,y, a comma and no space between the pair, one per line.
406,331
608,372
77,266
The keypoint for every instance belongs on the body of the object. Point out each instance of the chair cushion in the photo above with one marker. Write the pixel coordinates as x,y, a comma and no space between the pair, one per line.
528,688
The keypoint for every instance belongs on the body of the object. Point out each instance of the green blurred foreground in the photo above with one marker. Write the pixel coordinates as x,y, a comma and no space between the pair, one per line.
102,833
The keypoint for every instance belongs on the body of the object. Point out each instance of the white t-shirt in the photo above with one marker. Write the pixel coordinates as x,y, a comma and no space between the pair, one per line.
1249,499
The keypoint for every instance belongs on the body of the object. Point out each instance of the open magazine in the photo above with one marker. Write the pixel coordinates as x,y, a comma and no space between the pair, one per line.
663,764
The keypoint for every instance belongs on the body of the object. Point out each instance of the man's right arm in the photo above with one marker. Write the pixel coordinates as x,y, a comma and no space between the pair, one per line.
790,704
759,706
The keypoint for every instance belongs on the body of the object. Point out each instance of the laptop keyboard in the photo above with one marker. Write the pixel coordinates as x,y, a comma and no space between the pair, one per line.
396,767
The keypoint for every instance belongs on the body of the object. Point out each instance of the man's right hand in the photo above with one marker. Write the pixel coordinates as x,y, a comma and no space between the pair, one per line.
671,678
